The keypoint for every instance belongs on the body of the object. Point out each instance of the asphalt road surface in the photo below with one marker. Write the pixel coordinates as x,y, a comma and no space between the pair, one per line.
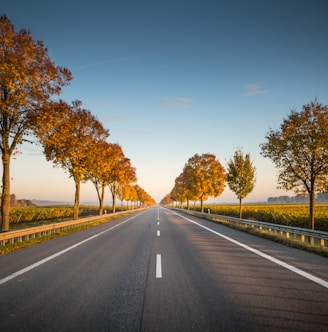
162,271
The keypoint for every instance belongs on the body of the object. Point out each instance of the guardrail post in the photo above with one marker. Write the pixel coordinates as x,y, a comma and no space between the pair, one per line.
287,235
303,238
322,243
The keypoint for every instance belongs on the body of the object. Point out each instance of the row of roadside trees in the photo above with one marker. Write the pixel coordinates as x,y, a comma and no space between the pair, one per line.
203,176
70,135
298,149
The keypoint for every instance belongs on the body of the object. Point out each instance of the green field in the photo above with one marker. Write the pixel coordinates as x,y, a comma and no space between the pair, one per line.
296,215
34,216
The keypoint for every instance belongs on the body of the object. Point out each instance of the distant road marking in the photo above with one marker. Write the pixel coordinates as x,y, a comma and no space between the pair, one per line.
158,233
158,223
158,266
47,259
262,254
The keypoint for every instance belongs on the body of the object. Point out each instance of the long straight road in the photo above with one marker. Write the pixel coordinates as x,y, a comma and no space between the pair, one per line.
162,271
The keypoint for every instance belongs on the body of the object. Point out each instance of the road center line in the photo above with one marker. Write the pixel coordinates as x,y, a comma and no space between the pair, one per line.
47,259
262,254
158,233
158,266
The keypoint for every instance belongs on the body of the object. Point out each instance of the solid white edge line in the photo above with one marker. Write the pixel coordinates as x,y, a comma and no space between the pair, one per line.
158,266
262,254
47,259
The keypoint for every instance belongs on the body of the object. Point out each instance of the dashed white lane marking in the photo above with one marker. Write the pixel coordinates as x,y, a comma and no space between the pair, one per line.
262,254
47,259
158,233
158,266
158,223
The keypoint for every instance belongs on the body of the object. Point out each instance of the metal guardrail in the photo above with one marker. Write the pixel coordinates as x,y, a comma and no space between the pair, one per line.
303,233
34,232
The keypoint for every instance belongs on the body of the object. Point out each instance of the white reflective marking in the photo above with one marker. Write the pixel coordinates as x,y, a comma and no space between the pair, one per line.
158,266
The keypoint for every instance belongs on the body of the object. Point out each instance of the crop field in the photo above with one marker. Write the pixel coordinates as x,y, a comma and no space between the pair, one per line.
35,216
296,215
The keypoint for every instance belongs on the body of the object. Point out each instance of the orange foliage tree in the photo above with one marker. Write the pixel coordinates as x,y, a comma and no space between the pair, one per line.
100,171
120,174
28,78
203,176
69,136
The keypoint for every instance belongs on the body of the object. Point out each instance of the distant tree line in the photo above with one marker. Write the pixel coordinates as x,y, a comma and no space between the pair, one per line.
320,198
71,136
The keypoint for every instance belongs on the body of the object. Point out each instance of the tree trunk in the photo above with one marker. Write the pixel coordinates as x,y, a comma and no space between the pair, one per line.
311,207
240,209
5,198
77,200
101,201
114,201
202,204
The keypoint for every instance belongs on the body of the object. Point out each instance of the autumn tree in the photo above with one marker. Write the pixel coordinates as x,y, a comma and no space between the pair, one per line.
126,192
190,186
69,137
178,193
167,200
300,151
131,194
121,173
241,176
28,78
105,157
144,198
185,188
208,176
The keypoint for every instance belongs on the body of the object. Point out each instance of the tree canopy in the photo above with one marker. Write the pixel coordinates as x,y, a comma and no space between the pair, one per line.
241,176
299,149
28,78
69,138
203,176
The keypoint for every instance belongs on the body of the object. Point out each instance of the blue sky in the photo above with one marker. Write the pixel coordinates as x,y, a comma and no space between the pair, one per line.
175,78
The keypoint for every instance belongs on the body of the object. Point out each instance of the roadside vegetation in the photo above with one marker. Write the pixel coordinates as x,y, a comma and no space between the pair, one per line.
36,216
295,215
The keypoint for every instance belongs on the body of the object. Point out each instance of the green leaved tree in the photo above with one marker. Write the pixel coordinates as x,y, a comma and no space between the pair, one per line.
241,176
